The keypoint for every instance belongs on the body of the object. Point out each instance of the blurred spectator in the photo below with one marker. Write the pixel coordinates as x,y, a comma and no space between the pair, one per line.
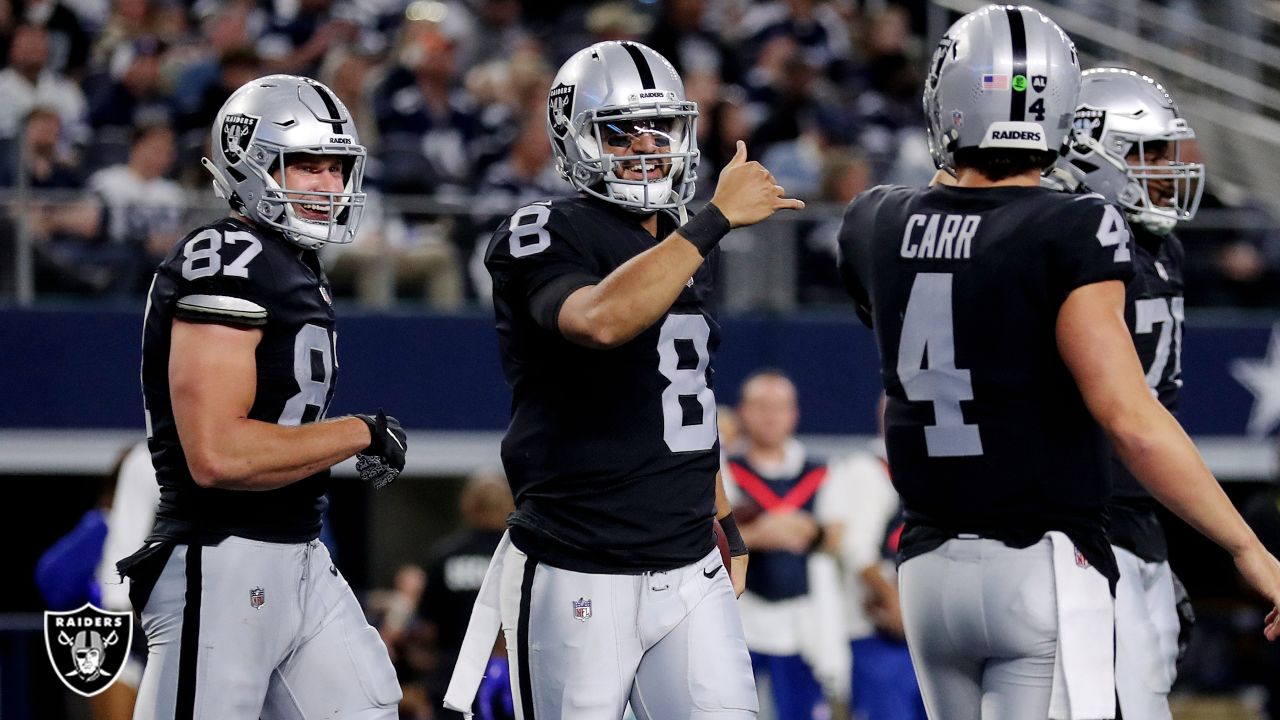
46,163
783,499
883,680
887,107
29,81
723,119
68,42
129,20
389,256
1235,267
224,48
815,26
109,244
456,571
426,122
616,20
844,173
235,67
144,207
132,96
494,32
798,163
680,37
301,33
526,175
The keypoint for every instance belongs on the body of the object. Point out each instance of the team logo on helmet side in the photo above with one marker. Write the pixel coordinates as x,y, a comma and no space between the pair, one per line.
1039,83
1089,120
237,132
559,105
87,647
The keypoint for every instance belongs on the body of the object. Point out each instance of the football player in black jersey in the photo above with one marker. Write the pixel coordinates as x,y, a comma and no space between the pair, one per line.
611,588
245,615
998,310
1129,149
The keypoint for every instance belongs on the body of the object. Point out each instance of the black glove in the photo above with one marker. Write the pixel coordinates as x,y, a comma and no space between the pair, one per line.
382,461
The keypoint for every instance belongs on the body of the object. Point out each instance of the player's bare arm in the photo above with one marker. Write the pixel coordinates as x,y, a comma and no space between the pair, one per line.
1097,349
737,563
633,297
213,380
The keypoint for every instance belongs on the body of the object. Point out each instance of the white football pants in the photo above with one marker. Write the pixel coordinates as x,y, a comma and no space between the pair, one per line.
246,630
582,645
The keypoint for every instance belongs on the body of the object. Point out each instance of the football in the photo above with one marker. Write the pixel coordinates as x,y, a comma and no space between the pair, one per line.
721,542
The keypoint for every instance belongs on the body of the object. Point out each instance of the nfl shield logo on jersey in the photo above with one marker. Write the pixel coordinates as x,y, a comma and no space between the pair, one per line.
1081,561
257,597
87,647
582,609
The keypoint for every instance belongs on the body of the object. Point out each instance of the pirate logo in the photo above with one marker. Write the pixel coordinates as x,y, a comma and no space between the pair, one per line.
87,647
559,106
1089,122
237,133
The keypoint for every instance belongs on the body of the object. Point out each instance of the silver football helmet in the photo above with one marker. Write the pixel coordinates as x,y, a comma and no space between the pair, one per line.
258,126
1003,76
1128,148
605,98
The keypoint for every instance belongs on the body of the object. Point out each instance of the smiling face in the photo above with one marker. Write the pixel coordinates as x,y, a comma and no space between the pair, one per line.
306,174
646,136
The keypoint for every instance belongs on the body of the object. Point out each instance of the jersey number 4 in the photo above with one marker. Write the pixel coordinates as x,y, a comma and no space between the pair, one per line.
927,367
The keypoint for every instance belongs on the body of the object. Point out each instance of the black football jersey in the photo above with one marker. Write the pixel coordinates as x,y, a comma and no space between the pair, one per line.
611,454
233,273
985,428
1154,312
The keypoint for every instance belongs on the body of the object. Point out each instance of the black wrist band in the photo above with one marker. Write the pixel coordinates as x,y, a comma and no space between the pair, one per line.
705,229
375,446
732,535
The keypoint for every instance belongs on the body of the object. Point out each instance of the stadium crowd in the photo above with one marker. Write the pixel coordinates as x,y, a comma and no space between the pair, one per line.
105,108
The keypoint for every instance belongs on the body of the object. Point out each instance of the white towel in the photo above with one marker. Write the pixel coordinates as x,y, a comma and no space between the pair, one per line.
1084,684
477,644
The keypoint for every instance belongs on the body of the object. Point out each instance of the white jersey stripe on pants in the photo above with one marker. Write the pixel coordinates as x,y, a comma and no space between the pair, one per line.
1147,628
583,645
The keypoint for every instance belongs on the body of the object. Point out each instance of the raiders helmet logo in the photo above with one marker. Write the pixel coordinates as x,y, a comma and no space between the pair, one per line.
559,108
1039,83
1089,121
237,133
87,647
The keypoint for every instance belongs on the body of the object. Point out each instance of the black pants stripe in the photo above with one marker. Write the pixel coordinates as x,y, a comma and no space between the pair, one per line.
522,640
190,648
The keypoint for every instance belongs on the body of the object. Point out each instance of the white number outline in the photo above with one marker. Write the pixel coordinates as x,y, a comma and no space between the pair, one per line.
1113,231
686,381
1169,314
239,267
311,392
541,214
928,327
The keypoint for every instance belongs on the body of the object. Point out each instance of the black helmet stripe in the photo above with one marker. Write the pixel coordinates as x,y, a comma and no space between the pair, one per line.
1018,39
332,107
642,65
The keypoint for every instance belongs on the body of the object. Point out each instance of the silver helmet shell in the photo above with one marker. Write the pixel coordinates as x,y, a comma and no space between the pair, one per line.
258,126
1001,77
614,82
1120,114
